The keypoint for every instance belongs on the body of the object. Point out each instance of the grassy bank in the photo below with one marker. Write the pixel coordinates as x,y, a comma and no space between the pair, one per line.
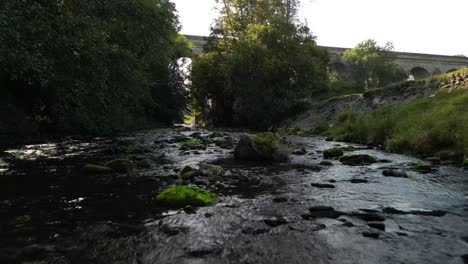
435,126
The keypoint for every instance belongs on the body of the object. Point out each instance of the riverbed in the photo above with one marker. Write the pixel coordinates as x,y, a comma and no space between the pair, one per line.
53,212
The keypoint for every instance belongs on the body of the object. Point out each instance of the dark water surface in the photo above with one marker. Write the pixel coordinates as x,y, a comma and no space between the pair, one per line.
52,212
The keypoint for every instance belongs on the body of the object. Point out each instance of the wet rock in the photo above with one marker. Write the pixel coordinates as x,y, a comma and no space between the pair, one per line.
391,210
211,170
185,169
189,210
208,215
193,144
255,231
377,225
371,234
394,173
280,199
369,217
358,181
357,160
228,174
332,181
181,196
225,143
324,211
465,258
422,168
384,161
323,185
201,182
276,221
95,169
348,224
369,210
120,165
216,134
180,138
401,234
333,153
434,160
144,163
326,163
300,152
267,146
36,251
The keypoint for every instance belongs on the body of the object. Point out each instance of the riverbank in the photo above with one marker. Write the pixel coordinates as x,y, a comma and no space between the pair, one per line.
427,118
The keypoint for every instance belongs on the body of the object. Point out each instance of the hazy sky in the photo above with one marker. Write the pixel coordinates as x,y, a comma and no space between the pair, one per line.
424,26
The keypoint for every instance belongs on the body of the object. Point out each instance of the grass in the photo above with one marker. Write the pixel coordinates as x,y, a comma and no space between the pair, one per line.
181,196
422,127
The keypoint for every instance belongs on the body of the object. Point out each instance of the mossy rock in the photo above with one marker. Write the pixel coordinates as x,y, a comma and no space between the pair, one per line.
326,163
333,153
357,160
189,175
120,165
182,196
465,163
96,169
268,146
421,167
194,143
211,170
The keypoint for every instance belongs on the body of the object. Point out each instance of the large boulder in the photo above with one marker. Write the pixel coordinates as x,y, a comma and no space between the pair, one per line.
268,146
357,160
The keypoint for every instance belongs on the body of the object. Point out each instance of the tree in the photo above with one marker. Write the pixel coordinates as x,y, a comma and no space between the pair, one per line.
372,66
259,66
90,66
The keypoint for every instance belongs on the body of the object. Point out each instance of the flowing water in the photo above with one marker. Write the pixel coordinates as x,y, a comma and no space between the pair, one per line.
53,212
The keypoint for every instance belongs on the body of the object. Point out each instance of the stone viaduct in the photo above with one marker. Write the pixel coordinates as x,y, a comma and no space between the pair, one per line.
417,65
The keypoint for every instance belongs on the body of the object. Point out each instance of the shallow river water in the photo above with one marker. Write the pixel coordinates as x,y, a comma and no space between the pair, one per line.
52,212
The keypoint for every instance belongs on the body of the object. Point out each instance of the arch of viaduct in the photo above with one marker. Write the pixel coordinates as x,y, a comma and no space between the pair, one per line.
417,65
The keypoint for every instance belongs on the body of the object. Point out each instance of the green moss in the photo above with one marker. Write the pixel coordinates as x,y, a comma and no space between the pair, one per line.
120,165
181,196
267,138
422,167
465,163
192,142
355,160
96,169
326,163
333,153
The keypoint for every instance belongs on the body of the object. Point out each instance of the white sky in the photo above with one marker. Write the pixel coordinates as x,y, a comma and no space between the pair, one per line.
423,26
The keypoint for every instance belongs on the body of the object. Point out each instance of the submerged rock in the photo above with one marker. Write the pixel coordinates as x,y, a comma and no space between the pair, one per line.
333,153
120,165
211,170
96,169
268,146
357,160
423,168
181,196
377,225
323,185
326,163
324,211
371,234
394,173
358,181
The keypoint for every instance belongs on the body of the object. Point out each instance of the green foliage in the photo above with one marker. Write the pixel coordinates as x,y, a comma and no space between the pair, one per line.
181,196
91,66
372,66
260,66
421,127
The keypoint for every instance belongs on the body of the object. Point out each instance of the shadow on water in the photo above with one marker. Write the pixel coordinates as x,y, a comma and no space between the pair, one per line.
51,211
